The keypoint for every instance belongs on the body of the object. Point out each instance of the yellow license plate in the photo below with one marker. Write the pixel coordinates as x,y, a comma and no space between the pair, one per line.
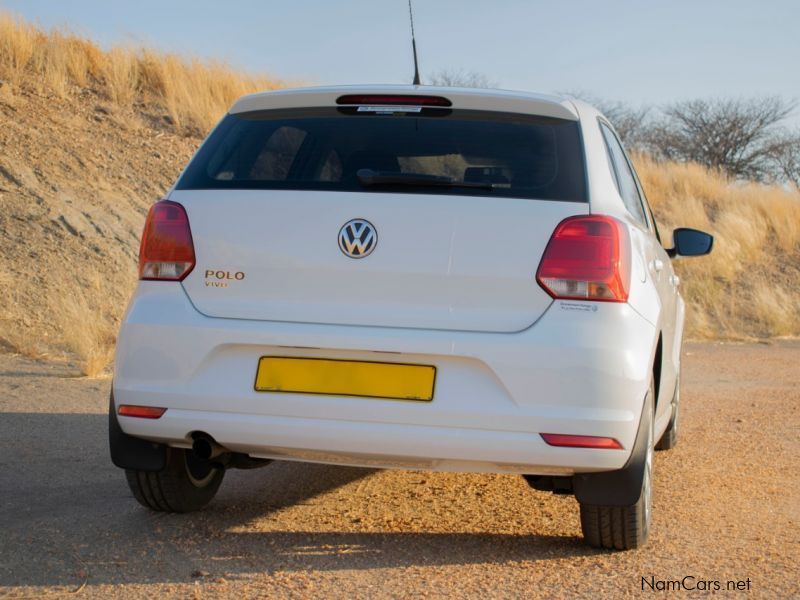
345,378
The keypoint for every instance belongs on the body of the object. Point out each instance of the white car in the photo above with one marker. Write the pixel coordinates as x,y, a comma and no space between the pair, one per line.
405,277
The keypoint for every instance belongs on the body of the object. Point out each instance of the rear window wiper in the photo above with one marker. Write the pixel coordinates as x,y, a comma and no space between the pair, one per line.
370,178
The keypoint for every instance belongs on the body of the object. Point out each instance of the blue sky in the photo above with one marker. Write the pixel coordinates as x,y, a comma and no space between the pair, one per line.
636,51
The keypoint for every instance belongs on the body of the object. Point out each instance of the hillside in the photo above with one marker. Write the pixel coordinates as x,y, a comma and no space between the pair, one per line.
89,139
749,287
76,178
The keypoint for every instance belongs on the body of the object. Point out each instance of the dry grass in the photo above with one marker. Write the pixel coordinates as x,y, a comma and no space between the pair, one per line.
192,93
748,286
186,88
88,327
18,42
78,323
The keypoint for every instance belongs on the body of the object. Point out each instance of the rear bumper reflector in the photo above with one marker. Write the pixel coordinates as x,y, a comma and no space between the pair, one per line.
581,441
142,412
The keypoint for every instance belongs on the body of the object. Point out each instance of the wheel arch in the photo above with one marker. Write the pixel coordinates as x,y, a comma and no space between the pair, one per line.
658,362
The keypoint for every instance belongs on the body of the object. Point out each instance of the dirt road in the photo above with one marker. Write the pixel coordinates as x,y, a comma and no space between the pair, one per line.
725,508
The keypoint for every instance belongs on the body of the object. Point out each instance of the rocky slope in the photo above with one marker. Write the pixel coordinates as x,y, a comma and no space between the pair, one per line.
76,178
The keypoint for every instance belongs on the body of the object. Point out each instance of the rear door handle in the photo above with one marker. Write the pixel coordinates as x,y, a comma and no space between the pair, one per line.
657,265
675,280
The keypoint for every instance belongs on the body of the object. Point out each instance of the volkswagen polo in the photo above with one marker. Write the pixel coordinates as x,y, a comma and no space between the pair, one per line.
405,277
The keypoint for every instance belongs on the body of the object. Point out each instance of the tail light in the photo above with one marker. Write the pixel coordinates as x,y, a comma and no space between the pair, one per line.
587,258
167,251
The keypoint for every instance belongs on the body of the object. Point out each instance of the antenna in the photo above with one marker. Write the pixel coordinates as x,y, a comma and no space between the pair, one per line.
413,45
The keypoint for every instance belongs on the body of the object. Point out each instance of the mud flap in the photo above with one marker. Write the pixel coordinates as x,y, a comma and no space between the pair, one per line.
622,487
128,452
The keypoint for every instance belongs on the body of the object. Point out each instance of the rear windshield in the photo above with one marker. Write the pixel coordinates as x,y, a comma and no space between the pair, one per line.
475,152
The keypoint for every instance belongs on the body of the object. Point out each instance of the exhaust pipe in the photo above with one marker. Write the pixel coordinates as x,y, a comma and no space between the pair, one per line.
205,448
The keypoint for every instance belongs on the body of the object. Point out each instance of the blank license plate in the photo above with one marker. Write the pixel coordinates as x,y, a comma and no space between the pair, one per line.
345,378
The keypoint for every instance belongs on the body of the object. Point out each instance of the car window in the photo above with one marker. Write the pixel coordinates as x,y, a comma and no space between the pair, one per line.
624,177
652,218
515,155
273,160
648,210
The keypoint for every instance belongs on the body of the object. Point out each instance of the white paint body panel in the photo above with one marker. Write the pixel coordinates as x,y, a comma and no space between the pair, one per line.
511,363
464,98
441,262
576,370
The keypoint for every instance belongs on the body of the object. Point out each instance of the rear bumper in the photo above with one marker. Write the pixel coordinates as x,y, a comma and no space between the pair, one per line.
577,370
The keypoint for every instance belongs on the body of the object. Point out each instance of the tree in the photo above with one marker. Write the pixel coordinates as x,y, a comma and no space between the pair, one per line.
786,158
740,137
461,78
631,123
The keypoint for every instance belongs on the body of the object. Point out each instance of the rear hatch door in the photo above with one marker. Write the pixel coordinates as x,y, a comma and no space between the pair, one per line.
270,192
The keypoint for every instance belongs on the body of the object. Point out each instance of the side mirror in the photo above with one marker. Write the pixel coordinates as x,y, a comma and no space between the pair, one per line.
690,242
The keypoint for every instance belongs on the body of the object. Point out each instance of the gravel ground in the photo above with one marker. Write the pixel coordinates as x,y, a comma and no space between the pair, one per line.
725,508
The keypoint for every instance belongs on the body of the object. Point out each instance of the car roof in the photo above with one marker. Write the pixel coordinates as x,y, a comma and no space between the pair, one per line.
462,98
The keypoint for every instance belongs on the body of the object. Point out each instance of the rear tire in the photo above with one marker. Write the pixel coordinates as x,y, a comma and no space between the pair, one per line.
185,485
670,437
624,527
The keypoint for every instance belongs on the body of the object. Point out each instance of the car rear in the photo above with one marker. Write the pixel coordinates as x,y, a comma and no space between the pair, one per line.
473,318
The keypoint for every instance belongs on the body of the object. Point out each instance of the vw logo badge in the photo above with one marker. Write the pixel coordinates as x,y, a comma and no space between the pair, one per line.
358,238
